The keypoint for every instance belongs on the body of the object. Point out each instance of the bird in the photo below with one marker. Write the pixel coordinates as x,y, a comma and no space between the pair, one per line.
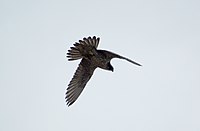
91,58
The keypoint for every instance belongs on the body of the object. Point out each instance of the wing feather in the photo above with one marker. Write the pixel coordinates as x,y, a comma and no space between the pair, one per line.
79,80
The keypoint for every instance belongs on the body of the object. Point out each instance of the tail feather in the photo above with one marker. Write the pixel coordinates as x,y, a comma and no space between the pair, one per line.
74,54
81,48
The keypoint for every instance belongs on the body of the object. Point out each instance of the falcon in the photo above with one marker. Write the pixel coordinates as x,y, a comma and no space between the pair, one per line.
91,58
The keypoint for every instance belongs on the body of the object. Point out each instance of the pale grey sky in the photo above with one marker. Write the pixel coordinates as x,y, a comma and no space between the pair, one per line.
163,95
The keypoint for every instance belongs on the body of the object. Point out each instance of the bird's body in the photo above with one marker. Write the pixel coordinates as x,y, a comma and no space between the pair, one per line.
92,58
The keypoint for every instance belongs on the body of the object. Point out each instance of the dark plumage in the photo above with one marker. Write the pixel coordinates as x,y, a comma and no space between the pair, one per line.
92,58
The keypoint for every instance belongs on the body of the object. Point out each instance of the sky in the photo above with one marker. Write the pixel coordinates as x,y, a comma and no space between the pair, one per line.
162,95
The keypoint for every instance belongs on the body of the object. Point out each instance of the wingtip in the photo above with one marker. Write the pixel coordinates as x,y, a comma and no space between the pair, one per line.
69,103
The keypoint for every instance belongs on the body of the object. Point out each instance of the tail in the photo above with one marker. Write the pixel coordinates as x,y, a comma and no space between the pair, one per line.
74,53
82,48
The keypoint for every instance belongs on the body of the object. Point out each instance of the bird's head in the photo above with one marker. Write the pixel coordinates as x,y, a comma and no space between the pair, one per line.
110,67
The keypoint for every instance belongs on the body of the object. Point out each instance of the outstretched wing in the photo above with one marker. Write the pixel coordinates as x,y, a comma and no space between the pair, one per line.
109,55
79,80
83,48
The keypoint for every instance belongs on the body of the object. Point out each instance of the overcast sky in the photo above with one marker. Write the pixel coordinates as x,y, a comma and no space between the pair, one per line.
162,95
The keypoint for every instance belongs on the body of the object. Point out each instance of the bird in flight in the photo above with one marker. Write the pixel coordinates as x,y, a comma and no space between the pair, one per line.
91,58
